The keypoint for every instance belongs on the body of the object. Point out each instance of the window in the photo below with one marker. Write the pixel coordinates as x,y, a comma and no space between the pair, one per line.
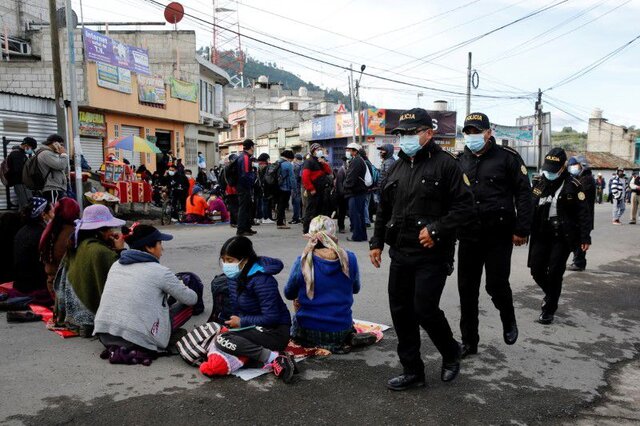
202,90
116,130
210,98
190,151
241,131
293,106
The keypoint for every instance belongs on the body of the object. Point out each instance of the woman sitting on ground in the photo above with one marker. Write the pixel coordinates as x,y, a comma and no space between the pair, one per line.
259,326
30,278
94,248
55,239
197,207
217,205
322,282
134,320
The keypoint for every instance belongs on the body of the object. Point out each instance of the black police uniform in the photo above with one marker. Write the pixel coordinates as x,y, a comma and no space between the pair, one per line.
428,191
555,234
589,189
503,206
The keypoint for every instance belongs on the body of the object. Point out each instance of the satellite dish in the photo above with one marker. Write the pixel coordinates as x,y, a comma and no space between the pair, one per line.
174,12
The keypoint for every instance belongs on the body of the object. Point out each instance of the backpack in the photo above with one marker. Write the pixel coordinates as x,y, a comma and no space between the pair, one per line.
375,173
368,178
272,177
222,309
231,174
194,282
4,172
32,175
194,346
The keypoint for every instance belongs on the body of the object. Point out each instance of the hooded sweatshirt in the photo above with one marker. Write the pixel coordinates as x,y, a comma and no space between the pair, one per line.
257,300
134,302
387,162
330,308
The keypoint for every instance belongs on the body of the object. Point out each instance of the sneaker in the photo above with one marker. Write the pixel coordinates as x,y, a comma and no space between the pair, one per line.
283,367
267,222
616,222
294,222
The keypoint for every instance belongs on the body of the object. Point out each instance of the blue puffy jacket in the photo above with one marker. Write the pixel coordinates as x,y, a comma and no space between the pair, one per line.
259,301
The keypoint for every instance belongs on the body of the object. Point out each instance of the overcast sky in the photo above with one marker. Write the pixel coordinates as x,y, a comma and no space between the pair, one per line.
407,40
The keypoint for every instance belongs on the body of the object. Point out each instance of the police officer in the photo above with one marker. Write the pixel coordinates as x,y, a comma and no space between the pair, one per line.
561,223
504,209
423,202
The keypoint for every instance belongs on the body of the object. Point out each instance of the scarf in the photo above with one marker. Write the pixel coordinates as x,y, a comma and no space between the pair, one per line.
321,230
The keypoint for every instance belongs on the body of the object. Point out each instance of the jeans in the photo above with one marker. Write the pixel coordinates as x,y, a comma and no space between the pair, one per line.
357,216
342,212
415,288
618,208
367,220
283,203
296,202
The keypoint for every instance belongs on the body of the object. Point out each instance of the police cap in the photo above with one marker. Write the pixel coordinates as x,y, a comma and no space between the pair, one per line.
413,119
554,160
478,120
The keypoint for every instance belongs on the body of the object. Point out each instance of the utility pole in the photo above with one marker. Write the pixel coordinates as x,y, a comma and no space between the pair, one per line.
57,70
353,118
539,128
469,86
73,94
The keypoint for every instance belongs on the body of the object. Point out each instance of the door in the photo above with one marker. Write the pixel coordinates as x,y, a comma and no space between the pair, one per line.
93,152
133,157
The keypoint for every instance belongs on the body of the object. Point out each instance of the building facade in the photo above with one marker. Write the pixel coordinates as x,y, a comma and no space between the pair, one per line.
603,136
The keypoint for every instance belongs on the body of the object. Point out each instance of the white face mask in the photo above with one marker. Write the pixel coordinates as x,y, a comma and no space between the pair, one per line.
574,169
319,153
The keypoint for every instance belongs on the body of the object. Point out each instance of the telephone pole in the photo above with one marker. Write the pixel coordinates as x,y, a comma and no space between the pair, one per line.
353,118
469,86
539,128
57,70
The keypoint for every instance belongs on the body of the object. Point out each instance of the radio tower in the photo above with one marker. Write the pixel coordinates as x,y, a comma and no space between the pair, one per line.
226,50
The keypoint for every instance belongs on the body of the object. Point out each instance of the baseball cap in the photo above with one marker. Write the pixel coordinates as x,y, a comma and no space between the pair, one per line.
554,160
355,146
31,142
288,154
413,119
478,120
141,236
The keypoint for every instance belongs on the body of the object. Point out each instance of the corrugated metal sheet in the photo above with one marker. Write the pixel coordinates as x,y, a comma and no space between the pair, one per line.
133,157
93,151
17,125
27,104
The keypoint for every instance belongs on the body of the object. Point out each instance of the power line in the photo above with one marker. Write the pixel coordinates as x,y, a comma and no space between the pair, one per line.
322,61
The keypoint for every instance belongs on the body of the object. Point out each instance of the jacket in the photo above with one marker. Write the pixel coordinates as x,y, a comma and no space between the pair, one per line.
16,161
257,301
54,169
315,175
387,162
354,181
589,188
501,190
287,178
427,191
330,308
618,187
572,210
29,271
341,175
134,303
246,174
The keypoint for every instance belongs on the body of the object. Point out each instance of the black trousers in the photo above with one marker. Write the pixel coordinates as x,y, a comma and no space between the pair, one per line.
493,254
255,343
232,205
245,206
313,209
580,258
342,211
415,288
283,203
548,256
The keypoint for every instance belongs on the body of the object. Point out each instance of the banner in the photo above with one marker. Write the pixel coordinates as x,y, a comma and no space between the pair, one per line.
92,124
114,78
376,121
183,90
151,90
344,126
101,48
323,128
513,133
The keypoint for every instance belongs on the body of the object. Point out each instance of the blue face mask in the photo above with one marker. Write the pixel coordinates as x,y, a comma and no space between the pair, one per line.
231,270
574,170
410,144
28,151
474,142
348,155
550,175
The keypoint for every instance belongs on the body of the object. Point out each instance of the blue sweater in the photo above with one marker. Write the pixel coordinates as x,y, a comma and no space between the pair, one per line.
260,303
330,309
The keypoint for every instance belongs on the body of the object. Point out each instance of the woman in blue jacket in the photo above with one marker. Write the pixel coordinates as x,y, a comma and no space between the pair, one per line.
322,282
259,327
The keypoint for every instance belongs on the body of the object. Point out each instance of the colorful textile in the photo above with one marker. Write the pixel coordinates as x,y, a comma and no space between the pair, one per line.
322,229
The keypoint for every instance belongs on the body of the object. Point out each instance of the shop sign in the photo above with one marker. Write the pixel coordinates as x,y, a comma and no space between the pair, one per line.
151,90
513,133
92,124
376,121
114,78
183,90
102,48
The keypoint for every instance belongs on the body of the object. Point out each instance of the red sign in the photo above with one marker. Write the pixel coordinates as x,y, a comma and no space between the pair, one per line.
174,12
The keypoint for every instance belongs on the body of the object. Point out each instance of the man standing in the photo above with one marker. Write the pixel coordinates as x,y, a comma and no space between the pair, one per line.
618,187
560,224
202,163
424,201
503,207
386,154
286,183
600,185
356,192
634,186
340,198
246,180
230,191
16,161
53,162
178,186
316,179
296,193
581,172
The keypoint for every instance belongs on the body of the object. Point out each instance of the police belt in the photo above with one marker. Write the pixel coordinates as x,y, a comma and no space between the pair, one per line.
554,222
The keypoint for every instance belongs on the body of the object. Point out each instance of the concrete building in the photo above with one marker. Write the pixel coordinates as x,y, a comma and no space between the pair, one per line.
273,143
603,136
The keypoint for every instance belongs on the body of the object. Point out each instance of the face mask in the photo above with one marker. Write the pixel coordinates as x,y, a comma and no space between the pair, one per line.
319,153
171,173
574,170
231,270
410,144
474,142
28,151
348,155
550,176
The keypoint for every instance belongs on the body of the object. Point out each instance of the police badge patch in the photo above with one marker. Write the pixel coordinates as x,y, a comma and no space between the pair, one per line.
523,169
466,179
581,196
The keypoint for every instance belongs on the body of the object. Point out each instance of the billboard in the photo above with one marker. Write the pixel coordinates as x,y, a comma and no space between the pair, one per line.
375,121
102,48
514,134
114,78
444,122
183,90
151,90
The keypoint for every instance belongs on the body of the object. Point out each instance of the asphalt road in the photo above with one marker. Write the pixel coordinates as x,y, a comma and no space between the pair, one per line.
554,374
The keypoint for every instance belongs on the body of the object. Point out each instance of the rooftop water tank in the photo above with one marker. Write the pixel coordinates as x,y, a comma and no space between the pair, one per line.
440,105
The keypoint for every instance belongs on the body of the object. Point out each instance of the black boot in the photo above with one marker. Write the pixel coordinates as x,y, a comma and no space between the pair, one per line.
450,369
406,381
510,333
